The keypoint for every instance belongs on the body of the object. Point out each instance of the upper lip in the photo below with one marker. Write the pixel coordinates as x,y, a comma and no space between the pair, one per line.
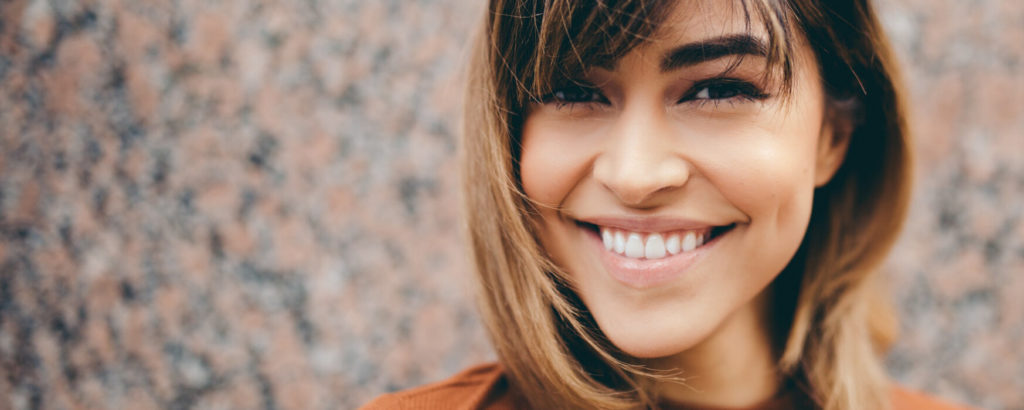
647,223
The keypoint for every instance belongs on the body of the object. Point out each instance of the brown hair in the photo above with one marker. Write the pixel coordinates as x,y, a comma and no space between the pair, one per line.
831,319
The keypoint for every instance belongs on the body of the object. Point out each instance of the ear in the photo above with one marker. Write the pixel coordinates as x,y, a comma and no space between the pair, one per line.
832,143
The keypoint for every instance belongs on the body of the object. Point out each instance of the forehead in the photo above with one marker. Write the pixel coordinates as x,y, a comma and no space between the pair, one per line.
694,31
691,20
563,44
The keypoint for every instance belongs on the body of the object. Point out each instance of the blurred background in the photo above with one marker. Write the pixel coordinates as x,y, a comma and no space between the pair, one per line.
253,204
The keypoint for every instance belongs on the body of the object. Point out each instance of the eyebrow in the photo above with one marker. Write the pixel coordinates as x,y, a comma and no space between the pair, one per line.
711,49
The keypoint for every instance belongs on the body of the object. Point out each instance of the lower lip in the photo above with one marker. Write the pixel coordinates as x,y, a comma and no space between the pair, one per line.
648,273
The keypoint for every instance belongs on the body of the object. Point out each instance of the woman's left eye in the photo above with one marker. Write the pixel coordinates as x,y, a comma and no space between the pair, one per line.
723,89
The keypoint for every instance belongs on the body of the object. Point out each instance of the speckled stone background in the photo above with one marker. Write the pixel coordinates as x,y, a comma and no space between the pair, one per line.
252,204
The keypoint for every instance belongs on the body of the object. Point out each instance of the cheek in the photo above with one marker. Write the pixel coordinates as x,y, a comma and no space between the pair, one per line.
553,159
765,167
771,178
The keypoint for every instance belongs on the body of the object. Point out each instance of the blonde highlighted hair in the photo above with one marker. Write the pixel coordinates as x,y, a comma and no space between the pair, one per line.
831,317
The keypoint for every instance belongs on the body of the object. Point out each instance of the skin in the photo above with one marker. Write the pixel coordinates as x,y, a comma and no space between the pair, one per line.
637,151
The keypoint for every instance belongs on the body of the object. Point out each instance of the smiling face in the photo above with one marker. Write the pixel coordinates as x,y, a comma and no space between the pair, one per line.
672,190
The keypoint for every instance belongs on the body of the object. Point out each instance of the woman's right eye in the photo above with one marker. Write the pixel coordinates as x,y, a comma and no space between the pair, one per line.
575,95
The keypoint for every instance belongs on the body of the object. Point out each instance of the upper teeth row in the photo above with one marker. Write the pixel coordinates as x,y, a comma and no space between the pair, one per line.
655,246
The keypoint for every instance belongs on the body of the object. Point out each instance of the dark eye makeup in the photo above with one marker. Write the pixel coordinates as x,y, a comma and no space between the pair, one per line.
577,93
718,89
723,88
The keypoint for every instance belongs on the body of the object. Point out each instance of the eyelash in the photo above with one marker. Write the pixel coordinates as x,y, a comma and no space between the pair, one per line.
736,90
560,99
741,91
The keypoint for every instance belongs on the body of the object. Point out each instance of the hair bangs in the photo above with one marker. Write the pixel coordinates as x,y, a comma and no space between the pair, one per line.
573,36
552,44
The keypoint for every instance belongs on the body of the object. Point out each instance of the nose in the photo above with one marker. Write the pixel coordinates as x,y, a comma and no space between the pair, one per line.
641,160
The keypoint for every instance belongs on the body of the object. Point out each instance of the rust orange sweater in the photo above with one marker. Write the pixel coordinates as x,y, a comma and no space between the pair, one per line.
485,387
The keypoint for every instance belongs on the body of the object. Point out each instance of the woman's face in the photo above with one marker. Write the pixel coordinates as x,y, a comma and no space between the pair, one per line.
673,194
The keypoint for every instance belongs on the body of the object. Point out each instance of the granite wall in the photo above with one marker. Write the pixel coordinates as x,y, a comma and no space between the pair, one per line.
252,204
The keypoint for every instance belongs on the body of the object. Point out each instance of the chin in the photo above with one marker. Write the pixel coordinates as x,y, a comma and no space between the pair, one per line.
653,348
658,333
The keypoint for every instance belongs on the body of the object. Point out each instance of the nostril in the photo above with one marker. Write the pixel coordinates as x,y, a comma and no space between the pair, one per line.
640,193
636,180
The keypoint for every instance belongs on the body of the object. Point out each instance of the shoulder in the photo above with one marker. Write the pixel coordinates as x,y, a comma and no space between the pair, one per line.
479,387
903,398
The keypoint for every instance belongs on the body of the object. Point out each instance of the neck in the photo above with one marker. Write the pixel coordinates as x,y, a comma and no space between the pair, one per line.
734,367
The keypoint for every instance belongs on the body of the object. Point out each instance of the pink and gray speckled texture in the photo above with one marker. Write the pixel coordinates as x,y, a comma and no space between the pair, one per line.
958,272
252,204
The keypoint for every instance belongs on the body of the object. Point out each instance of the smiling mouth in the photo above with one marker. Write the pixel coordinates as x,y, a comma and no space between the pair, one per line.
654,245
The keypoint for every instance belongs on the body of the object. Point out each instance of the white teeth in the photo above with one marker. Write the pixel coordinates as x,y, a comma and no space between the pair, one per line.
650,245
689,242
655,248
672,246
634,246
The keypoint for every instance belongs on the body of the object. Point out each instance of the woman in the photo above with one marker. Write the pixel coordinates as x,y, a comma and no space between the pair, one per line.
681,204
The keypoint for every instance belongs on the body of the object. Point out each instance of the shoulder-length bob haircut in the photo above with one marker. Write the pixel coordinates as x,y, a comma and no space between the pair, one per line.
830,324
